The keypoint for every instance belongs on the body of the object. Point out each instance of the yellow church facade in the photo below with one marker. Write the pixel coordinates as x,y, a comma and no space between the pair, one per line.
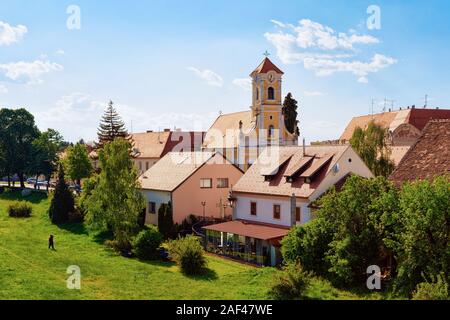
242,136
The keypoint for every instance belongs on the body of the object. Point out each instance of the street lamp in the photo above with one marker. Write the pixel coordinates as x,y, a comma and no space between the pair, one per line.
203,205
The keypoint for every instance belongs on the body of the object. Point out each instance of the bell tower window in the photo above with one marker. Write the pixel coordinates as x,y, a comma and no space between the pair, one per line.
271,132
271,93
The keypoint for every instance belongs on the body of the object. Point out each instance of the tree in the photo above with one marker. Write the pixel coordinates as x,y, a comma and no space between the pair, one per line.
147,243
78,163
62,203
371,145
17,133
290,114
111,126
421,241
165,220
116,201
45,157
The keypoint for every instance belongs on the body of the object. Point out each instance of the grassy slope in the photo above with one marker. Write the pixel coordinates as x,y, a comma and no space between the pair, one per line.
28,270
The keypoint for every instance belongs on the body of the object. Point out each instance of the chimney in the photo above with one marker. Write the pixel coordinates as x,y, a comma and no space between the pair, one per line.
293,210
149,131
304,147
166,130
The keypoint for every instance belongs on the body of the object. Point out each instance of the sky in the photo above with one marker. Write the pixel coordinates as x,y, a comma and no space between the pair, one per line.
174,63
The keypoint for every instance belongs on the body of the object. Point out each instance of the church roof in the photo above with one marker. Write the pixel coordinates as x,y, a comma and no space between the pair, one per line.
266,66
224,133
429,157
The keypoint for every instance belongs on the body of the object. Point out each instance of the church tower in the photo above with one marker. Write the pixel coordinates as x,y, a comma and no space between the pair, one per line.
267,101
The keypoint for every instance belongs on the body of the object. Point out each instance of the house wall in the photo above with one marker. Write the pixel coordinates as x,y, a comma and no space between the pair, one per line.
356,166
187,198
264,205
159,197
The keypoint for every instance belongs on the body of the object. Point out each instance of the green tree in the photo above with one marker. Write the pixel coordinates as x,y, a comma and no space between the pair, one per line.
111,126
45,158
165,220
17,133
147,243
289,110
78,163
62,203
116,201
371,145
421,241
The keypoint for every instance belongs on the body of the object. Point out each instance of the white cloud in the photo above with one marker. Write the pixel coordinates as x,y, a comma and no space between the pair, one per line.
3,89
210,77
10,34
325,67
325,51
77,115
29,71
244,83
313,93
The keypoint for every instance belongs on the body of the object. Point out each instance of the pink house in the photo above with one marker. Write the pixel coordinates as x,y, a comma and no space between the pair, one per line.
196,183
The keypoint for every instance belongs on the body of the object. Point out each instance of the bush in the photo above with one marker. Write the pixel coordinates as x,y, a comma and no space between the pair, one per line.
437,289
291,284
20,209
188,254
146,243
120,246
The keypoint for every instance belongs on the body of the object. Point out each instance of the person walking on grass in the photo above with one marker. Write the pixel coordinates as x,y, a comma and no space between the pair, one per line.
51,244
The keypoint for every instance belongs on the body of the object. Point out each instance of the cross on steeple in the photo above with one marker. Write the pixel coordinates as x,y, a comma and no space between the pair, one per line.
266,53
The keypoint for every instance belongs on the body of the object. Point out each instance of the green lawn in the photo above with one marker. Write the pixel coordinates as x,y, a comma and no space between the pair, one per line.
28,270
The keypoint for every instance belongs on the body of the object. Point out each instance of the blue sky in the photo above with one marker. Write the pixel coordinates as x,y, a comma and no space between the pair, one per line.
178,63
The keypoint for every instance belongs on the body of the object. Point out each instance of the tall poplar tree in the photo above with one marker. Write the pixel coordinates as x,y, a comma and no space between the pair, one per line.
290,114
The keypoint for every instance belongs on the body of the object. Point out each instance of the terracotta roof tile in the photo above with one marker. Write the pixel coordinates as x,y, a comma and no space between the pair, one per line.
254,181
428,157
250,229
173,169
265,66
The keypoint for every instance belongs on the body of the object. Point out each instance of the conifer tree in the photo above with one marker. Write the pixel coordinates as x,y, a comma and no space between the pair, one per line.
111,126
62,202
290,114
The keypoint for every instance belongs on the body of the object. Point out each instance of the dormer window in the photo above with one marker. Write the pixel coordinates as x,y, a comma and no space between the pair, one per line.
271,94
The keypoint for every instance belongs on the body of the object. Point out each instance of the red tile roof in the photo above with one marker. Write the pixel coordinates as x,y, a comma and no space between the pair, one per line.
265,66
250,229
428,157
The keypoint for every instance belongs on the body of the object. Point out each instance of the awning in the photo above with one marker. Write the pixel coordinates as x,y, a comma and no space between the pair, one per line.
250,229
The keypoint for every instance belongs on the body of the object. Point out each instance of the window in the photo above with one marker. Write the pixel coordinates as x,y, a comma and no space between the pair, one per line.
222,183
276,211
140,166
298,214
152,207
206,183
270,132
271,93
257,94
146,165
253,208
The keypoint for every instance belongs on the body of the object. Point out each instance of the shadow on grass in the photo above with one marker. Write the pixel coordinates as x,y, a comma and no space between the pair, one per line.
101,237
206,274
75,228
16,195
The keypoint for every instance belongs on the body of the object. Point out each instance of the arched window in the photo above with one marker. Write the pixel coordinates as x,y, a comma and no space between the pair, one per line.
271,93
271,132
257,94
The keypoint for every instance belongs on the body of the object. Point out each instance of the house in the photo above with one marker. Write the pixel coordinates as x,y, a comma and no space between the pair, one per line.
149,147
195,183
428,157
275,194
405,125
241,136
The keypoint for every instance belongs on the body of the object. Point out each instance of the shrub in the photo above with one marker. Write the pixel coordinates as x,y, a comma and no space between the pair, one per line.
437,289
120,246
20,209
291,284
146,243
188,254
